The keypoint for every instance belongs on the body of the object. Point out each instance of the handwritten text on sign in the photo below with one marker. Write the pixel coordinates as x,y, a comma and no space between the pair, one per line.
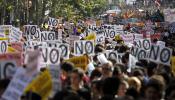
3,47
17,85
83,47
63,47
50,55
7,69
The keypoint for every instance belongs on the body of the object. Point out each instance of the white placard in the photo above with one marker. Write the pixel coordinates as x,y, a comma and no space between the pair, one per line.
53,22
83,47
48,36
17,85
160,54
7,69
115,55
55,73
127,38
138,37
50,56
15,35
64,47
144,43
100,38
110,33
139,53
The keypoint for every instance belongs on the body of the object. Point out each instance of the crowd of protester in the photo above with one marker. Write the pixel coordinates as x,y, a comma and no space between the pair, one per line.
111,81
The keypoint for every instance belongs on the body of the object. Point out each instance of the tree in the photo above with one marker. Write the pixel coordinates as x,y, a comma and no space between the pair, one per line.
25,11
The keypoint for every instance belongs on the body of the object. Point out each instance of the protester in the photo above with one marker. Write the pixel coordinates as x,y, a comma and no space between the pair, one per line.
86,61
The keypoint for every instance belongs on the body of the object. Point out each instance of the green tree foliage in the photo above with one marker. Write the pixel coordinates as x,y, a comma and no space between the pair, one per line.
26,11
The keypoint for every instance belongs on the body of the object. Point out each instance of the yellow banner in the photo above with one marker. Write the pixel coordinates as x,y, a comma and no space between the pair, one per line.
11,50
118,37
80,61
173,65
42,85
91,36
4,38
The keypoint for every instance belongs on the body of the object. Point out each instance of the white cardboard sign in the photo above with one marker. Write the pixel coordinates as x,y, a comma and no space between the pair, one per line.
48,36
160,54
17,85
53,22
50,55
83,47
7,69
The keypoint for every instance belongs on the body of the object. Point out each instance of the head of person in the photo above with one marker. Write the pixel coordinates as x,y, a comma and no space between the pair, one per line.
96,88
123,88
135,83
111,86
117,72
66,68
76,76
96,73
31,96
170,92
107,70
154,88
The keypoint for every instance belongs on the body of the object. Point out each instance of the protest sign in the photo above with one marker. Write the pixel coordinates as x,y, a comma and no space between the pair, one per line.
115,55
144,43
109,33
127,38
3,47
50,55
64,50
7,69
169,14
71,39
15,35
171,27
79,61
119,27
102,59
64,47
161,43
160,54
100,38
32,32
56,81
48,36
34,44
42,85
139,53
53,22
83,47
17,85
5,30
17,57
31,60
30,29
138,37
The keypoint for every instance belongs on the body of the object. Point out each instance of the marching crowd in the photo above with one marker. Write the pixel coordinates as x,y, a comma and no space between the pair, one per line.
110,80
